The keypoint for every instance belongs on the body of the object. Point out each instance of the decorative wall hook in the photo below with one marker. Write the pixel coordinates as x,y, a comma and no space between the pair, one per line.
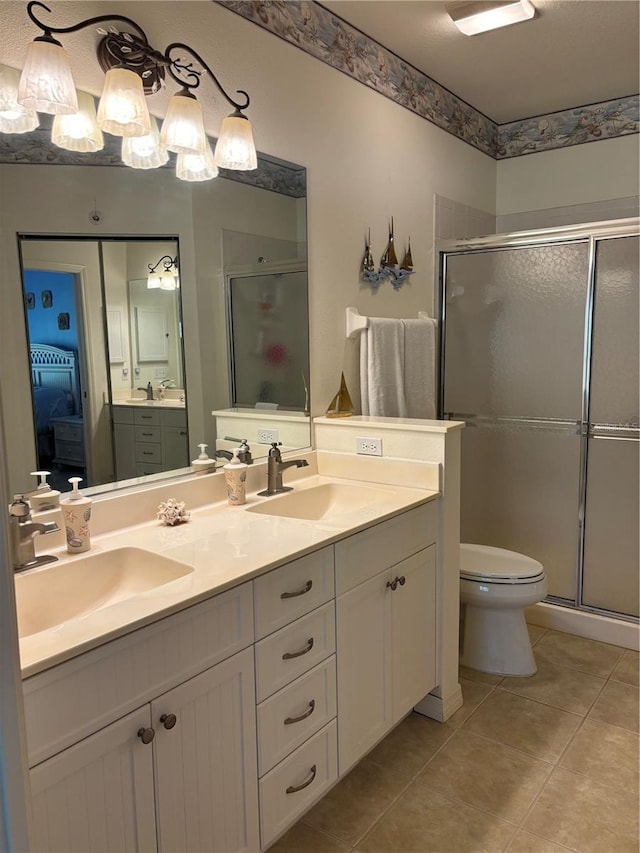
389,267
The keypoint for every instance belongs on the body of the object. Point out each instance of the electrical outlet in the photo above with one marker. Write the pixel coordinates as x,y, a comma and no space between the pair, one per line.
267,436
369,446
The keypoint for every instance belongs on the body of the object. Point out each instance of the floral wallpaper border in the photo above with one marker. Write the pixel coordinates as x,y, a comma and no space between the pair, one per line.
316,30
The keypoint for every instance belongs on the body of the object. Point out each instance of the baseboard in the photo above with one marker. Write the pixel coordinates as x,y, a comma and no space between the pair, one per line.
584,624
439,708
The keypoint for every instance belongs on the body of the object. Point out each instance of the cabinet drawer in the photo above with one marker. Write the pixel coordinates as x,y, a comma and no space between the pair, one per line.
68,431
293,650
296,712
145,434
69,451
146,416
363,555
122,414
294,785
144,468
173,417
293,590
78,697
146,452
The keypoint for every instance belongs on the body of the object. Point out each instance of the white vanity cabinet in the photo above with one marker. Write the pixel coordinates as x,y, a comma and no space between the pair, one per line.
386,627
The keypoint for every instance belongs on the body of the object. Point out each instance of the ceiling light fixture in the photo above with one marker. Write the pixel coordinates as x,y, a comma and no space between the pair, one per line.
479,17
133,68
166,278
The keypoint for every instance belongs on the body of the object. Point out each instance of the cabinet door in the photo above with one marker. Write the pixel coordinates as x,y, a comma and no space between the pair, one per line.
125,450
175,449
98,794
206,766
363,653
413,631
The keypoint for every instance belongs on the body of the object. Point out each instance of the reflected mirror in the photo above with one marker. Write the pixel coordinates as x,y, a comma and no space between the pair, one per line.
227,349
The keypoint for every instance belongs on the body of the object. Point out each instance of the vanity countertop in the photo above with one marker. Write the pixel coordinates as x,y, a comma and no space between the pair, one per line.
167,403
224,546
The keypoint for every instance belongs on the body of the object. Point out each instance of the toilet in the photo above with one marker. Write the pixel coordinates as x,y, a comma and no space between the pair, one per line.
495,587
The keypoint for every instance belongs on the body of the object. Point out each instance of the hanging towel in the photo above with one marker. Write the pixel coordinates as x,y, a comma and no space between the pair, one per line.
397,368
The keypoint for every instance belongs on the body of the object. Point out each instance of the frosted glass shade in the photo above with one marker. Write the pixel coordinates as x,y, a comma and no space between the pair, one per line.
78,132
153,281
196,167
144,152
46,84
183,126
168,280
14,118
122,110
235,148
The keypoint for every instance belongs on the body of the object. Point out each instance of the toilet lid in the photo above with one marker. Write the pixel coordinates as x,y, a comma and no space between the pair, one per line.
498,565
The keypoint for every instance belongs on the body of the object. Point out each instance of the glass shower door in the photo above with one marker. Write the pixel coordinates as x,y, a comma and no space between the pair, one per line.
611,552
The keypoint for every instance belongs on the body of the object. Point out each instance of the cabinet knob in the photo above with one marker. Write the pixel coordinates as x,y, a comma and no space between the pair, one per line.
293,789
306,588
307,648
146,735
393,585
168,720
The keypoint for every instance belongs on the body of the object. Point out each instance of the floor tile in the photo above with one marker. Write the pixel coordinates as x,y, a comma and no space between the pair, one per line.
473,692
617,705
486,775
578,652
605,753
423,820
350,809
525,842
534,728
304,839
406,750
628,670
560,686
585,815
535,633
475,675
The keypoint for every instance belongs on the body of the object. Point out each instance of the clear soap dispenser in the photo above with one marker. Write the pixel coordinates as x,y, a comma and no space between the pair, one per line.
76,510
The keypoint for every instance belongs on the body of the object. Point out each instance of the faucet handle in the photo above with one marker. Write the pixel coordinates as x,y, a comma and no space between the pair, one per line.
274,453
20,507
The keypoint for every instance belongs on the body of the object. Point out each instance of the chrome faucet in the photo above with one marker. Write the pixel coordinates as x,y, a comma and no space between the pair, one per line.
22,532
149,390
275,467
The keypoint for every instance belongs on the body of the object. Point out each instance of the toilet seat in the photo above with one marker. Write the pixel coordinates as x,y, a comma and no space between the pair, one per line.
483,563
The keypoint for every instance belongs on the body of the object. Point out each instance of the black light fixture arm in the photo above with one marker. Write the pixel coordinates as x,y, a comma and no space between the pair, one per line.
187,76
168,262
81,25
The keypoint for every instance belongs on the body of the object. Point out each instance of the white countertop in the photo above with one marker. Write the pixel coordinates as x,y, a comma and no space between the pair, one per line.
223,545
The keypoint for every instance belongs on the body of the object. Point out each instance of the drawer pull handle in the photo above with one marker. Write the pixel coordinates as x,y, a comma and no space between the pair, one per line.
146,735
147,433
307,713
393,585
147,452
168,720
402,580
307,648
145,417
305,589
293,789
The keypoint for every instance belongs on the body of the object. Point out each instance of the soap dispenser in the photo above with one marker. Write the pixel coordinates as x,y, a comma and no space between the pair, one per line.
44,496
204,462
235,475
76,510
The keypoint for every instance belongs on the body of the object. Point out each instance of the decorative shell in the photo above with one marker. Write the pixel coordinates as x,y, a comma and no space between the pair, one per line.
172,512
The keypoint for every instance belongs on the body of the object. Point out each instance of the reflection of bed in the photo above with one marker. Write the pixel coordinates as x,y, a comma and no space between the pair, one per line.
56,390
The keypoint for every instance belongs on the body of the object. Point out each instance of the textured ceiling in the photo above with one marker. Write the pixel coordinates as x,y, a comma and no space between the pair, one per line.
574,52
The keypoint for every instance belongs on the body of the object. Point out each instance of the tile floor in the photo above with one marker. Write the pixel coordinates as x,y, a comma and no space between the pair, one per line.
528,765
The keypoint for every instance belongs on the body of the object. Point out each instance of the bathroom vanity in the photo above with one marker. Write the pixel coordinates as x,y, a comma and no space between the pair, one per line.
211,711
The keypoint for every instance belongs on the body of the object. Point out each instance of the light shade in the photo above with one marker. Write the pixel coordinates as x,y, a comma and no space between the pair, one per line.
183,126
144,152
169,279
122,110
196,167
46,84
479,17
78,132
14,118
153,280
235,148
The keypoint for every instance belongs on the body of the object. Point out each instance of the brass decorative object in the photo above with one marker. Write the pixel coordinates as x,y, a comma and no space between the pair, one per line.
389,267
341,405
368,263
407,261
389,258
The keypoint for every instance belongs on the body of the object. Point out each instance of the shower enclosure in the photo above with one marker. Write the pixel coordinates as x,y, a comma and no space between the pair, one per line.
539,356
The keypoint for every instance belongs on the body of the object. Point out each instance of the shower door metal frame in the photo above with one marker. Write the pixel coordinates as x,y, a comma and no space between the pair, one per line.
589,234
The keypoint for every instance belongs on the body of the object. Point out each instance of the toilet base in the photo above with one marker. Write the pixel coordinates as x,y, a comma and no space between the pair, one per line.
497,641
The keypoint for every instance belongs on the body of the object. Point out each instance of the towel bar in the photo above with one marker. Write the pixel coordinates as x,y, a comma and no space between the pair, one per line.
356,322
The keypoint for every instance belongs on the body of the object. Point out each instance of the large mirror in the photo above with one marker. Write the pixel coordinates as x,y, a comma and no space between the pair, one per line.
224,355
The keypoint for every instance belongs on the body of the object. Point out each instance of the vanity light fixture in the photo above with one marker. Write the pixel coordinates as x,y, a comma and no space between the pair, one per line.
14,118
79,131
479,17
167,277
133,69
144,152
196,167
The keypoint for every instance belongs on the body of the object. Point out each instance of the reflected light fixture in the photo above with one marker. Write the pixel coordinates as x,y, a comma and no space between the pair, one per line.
80,131
14,118
472,18
165,278
134,68
196,167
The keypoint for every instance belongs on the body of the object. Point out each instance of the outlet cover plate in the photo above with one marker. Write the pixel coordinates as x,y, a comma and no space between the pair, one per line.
369,446
267,436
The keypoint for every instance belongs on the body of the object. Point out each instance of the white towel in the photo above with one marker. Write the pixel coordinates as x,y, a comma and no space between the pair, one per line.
397,368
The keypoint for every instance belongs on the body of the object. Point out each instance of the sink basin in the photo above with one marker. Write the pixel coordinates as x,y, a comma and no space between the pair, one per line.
65,591
166,404
321,502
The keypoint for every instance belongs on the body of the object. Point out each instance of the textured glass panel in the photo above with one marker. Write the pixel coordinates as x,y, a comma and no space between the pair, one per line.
520,491
611,557
515,330
615,379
